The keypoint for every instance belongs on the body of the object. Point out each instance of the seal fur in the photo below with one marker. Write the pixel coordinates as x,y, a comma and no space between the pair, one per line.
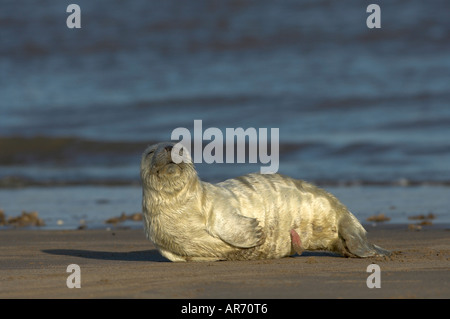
256,216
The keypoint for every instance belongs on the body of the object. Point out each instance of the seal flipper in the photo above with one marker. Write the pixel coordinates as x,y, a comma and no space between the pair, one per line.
362,248
353,235
236,230
381,251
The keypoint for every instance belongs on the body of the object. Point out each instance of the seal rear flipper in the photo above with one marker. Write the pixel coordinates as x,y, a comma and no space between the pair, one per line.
381,251
358,245
368,250
353,236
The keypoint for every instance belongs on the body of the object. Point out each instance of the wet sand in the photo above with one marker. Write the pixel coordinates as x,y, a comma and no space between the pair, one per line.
123,264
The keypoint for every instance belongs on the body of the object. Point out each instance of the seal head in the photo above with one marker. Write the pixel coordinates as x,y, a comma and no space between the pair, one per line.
160,173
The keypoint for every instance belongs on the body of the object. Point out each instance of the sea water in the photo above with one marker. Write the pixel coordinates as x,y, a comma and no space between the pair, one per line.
364,112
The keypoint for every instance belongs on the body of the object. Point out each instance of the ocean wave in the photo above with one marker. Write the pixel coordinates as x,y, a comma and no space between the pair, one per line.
47,161
22,181
436,123
64,150
19,150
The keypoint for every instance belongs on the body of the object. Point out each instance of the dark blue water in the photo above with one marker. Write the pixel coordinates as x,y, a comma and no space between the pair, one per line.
353,105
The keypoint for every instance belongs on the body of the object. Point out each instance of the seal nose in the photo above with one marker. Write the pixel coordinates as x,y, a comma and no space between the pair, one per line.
168,148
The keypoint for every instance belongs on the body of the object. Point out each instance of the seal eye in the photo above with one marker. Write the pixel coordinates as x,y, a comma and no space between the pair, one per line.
150,153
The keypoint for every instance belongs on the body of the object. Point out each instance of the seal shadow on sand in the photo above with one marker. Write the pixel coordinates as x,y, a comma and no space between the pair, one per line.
142,255
148,255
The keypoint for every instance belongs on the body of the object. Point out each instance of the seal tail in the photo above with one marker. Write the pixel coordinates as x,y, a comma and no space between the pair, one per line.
353,235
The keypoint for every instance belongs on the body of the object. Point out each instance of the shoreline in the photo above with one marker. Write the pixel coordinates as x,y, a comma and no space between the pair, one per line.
137,225
95,207
122,263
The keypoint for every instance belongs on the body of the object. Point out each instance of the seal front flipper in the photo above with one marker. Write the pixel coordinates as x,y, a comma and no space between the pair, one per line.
235,229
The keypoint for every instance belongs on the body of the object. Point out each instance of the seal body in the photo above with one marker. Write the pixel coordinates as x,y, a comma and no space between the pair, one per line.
256,216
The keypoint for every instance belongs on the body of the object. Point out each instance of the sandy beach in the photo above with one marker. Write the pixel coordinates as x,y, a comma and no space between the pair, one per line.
358,110
123,264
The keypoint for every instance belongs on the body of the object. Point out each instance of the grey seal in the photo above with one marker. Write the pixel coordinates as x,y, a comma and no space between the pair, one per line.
255,216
